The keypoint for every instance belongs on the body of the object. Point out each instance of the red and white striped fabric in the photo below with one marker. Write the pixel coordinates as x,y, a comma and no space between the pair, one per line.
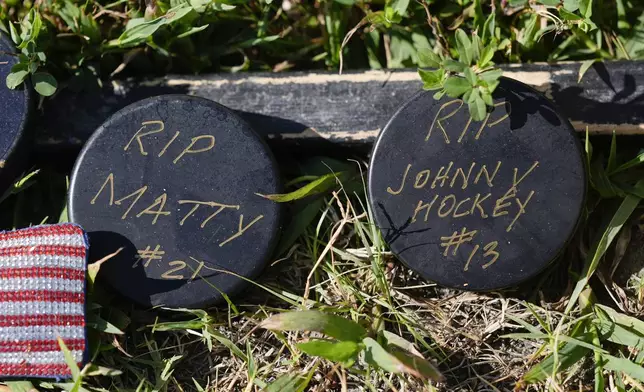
42,297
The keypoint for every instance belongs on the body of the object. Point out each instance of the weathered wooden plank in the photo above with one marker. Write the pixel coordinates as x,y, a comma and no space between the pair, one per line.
347,109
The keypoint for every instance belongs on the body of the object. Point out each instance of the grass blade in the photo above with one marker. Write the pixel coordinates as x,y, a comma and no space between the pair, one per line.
620,217
612,157
619,328
638,160
600,382
291,382
625,366
585,66
567,355
227,342
69,360
320,185
298,225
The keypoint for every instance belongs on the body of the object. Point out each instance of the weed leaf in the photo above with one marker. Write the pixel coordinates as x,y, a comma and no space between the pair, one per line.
342,351
456,86
44,84
398,361
311,320
464,47
427,58
432,80
19,73
140,31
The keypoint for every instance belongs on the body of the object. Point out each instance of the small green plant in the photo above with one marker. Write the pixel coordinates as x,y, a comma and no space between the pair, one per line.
351,342
468,71
472,77
331,228
615,339
140,30
32,58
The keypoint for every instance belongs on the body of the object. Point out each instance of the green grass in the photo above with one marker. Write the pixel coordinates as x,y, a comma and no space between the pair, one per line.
575,327
80,43
534,337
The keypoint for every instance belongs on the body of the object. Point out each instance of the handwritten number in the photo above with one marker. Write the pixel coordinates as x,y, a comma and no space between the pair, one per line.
168,274
490,250
467,265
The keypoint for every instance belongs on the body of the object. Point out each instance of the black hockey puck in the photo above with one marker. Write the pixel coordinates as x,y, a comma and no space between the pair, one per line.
15,109
174,180
478,205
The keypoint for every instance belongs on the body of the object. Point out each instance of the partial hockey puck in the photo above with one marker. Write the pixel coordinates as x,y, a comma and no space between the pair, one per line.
174,180
478,205
15,109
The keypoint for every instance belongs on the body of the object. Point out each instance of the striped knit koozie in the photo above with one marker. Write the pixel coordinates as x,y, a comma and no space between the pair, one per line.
42,298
